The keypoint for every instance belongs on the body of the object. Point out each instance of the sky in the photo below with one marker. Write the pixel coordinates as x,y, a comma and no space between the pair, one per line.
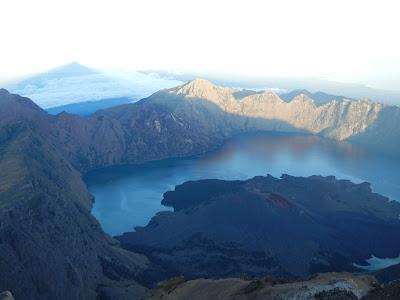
346,41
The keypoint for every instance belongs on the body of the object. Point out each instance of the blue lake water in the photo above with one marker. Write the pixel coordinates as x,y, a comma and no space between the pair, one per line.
375,263
128,196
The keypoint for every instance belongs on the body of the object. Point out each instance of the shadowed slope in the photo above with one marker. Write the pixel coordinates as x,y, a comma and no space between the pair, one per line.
50,245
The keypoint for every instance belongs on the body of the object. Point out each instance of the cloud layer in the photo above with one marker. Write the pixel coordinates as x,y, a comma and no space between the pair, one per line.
58,88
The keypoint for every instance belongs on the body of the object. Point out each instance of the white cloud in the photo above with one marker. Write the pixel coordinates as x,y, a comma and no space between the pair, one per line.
60,90
342,40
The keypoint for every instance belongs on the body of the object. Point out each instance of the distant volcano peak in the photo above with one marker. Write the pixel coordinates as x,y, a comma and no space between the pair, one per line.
71,69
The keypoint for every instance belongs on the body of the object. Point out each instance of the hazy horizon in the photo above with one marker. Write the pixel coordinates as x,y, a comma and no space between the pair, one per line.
340,41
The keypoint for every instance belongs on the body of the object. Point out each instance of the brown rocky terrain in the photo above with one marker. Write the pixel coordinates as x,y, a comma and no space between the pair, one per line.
327,286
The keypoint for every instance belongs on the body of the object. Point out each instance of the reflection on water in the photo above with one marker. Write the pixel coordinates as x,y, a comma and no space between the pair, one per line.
129,196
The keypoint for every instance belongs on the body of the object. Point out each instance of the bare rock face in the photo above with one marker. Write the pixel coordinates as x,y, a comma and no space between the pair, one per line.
6,296
328,286
339,119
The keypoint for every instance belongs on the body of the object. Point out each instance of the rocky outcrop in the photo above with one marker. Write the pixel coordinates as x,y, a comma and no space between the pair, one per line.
6,296
328,286
290,227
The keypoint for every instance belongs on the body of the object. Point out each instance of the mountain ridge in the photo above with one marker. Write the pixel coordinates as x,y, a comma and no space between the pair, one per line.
352,90
320,98
338,119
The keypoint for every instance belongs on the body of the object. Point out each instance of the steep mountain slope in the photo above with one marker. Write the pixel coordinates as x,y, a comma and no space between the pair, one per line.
50,245
338,119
